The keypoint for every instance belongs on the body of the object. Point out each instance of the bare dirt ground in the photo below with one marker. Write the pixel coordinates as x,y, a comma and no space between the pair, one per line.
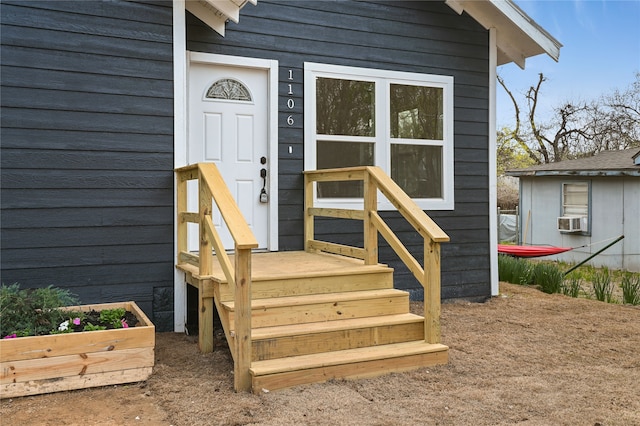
523,357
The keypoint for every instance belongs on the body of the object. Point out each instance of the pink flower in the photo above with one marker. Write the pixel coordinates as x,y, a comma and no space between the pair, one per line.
10,336
124,323
76,321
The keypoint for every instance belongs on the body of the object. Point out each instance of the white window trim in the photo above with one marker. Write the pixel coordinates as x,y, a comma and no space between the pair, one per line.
586,219
383,79
563,193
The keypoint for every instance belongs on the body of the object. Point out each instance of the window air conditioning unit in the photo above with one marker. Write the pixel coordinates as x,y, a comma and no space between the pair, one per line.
570,224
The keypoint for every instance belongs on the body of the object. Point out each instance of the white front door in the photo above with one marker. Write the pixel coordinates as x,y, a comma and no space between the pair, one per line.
228,124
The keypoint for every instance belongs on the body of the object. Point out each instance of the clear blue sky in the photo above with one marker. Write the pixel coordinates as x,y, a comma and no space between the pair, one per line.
601,52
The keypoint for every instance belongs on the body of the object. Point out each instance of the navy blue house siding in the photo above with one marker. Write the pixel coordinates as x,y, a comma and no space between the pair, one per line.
414,36
87,138
87,150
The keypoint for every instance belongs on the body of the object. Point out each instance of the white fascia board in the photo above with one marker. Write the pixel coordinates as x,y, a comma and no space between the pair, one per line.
227,8
518,36
241,3
456,6
550,45
207,15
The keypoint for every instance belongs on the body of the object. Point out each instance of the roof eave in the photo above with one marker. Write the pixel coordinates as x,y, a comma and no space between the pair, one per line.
518,36
216,13
579,173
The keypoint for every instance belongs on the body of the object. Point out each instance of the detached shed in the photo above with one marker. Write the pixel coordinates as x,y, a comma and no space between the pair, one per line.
585,203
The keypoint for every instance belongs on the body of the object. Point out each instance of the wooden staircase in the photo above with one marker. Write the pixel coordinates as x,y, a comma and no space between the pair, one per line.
328,312
318,316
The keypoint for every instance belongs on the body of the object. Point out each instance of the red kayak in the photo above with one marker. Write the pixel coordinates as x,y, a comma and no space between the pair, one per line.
530,251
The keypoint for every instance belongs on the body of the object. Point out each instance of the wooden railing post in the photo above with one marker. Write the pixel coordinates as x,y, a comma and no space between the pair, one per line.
308,218
205,304
242,320
212,188
432,291
370,232
181,206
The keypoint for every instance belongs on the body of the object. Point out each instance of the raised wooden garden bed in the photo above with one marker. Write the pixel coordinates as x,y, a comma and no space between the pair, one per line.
43,364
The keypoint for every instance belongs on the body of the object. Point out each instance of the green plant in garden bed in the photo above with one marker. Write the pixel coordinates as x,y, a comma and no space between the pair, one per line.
113,317
603,286
630,288
36,312
521,271
572,284
32,312
91,327
548,277
514,270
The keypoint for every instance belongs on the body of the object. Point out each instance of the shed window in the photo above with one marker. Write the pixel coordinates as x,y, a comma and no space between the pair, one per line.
575,199
401,122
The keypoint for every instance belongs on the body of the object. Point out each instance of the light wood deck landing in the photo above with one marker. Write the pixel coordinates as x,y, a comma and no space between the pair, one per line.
291,264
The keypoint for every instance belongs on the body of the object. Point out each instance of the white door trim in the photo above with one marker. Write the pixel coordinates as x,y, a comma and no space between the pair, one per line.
179,149
271,66
181,59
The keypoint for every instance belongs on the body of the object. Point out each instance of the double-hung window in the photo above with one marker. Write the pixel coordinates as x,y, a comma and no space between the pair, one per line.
401,122
575,199
576,204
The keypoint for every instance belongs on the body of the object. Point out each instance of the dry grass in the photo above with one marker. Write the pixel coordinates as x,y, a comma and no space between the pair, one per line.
523,357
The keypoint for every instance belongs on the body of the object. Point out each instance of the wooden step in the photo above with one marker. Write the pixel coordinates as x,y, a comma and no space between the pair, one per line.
302,339
323,307
282,274
346,364
359,279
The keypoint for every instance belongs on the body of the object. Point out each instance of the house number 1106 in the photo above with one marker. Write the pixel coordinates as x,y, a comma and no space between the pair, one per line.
290,102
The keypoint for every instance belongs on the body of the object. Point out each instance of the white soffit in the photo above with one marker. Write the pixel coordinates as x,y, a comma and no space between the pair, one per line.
216,13
518,37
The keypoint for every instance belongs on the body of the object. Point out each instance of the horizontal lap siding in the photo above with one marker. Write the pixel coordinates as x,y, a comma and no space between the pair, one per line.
423,37
87,150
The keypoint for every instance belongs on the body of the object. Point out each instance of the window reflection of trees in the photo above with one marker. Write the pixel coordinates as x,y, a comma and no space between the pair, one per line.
416,112
345,107
417,169
343,154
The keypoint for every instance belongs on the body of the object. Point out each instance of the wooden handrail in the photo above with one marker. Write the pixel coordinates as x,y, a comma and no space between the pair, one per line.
233,217
407,207
212,189
374,180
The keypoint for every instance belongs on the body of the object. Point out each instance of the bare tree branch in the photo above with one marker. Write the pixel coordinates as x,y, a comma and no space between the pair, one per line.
578,128
515,135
